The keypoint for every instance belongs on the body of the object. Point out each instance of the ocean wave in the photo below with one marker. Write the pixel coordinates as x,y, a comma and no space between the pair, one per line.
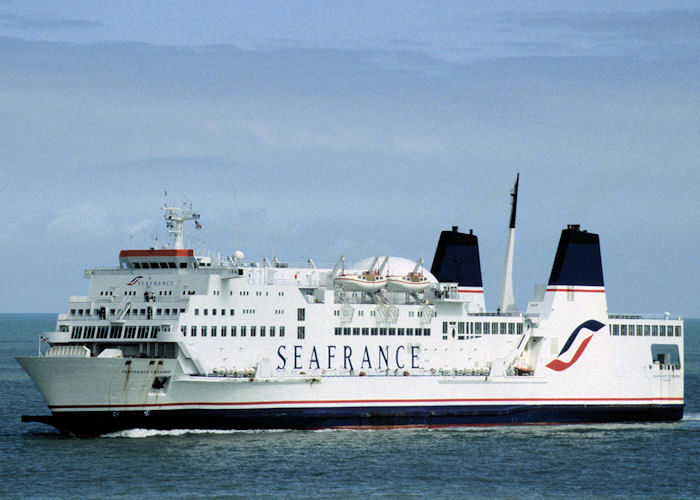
691,417
146,433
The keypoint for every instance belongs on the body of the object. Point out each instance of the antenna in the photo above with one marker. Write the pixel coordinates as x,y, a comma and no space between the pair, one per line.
175,218
507,303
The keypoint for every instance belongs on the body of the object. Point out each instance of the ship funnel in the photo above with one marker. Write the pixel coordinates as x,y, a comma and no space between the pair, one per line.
457,259
578,259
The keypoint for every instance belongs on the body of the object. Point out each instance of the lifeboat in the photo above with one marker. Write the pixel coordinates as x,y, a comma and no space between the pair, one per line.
413,282
366,281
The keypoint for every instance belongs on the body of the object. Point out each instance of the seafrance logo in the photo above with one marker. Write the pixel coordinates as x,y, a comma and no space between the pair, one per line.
558,364
134,281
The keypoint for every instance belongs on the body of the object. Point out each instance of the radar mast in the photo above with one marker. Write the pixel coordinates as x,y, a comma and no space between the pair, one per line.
175,218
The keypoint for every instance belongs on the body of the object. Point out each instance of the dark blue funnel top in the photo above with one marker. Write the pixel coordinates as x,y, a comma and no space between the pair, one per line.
578,259
457,259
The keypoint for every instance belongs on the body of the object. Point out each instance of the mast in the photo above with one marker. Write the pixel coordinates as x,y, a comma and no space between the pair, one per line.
175,218
507,303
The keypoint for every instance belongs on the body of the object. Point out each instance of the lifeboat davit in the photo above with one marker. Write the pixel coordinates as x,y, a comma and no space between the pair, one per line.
366,281
413,282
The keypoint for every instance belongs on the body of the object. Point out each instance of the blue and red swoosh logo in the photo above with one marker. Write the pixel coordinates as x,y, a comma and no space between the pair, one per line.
134,281
559,365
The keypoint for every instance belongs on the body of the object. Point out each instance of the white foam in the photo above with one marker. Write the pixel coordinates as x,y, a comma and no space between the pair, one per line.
146,433
691,417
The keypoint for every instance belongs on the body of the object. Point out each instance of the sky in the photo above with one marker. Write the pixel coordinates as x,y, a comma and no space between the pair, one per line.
359,128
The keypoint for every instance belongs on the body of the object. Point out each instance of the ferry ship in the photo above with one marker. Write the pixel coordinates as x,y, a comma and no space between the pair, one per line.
172,340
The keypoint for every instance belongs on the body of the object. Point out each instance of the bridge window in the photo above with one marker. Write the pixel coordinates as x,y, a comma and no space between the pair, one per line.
115,332
301,314
678,331
193,331
281,331
243,331
77,331
301,332
102,332
615,329
272,331
365,331
374,331
213,331
262,331
233,331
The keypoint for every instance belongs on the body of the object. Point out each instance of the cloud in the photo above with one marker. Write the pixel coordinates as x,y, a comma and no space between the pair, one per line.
82,222
139,227
43,23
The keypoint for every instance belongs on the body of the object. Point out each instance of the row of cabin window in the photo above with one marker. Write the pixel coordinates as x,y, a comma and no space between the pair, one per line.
132,312
214,312
115,332
478,328
224,330
425,332
373,313
646,330
159,265
301,313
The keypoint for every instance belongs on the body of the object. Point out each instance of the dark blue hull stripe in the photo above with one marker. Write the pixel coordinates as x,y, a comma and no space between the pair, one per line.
91,423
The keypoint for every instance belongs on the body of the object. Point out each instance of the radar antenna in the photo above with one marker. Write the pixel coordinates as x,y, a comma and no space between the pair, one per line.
175,218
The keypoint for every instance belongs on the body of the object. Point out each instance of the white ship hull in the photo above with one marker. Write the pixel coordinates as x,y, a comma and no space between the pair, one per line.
95,396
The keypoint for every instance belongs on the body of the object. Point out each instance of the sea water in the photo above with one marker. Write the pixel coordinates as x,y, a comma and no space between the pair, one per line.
569,461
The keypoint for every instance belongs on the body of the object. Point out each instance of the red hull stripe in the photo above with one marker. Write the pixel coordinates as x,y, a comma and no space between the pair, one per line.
578,290
365,401
157,253
470,291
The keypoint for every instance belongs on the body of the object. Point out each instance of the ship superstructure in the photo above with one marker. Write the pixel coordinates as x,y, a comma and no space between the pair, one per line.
170,340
